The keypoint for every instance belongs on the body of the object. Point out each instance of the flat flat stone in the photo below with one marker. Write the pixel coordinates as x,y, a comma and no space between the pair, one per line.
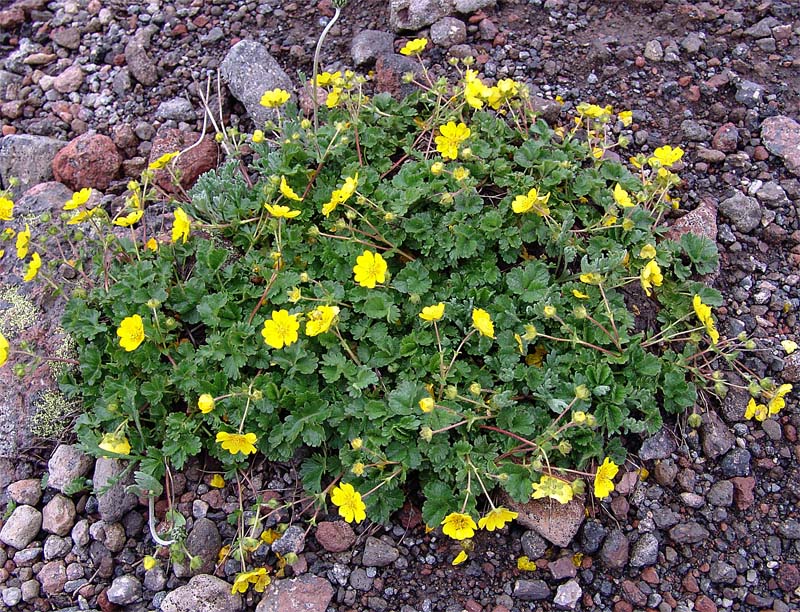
556,522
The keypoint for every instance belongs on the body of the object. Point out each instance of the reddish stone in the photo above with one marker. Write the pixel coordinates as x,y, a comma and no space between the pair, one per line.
620,507
190,164
692,94
760,153
640,61
704,604
52,576
335,536
718,80
684,80
213,498
623,606
650,576
12,17
781,137
473,606
200,21
702,221
8,130
104,604
410,516
788,577
633,593
90,160
690,584
726,138
743,491
180,30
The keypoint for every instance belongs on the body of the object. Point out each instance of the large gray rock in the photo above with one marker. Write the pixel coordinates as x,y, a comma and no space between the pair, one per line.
58,515
140,64
22,527
557,523
781,137
743,211
250,70
471,6
416,14
448,31
28,159
124,590
112,500
306,593
203,542
204,593
717,438
369,45
67,464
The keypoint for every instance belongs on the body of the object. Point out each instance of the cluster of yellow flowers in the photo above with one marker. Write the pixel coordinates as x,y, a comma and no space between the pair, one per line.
776,401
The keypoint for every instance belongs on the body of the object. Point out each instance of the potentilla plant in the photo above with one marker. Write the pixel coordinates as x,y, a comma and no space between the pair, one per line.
439,294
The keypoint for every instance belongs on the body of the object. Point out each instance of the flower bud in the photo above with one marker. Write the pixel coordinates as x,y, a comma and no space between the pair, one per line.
206,403
351,214
437,168
290,558
170,323
694,420
358,468
549,311
446,199
305,124
451,392
582,392
466,153
152,303
389,217
721,389
591,420
427,404
408,77
750,344
754,388
530,332
564,447
580,312
304,277
426,433
578,486
356,443
579,417
414,298
256,395
475,388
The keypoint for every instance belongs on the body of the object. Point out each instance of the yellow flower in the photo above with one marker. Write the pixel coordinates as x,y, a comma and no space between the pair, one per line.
115,443
459,526
413,47
666,156
281,329
258,136
268,536
33,268
427,404
437,168
503,91
432,313
181,226
82,215
482,321
217,481
526,565
333,97
594,111
152,244
622,197
461,173
288,192
6,209
237,443
532,201
603,478
129,219
148,562
348,500
370,269
4,349
580,294
777,401
131,332
591,278
450,136
790,346
358,468
326,78
651,276
648,251
23,240
320,320
206,403
295,295
549,311
460,558
356,443
281,212
475,92
257,577
275,98
626,117
759,411
79,198
496,519
703,313
341,195
162,161
551,487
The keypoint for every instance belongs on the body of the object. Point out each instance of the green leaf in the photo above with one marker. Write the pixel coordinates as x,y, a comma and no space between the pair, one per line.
439,502
531,281
518,483
701,251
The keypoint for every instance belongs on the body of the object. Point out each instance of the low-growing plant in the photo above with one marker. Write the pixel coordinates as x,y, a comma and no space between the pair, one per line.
451,297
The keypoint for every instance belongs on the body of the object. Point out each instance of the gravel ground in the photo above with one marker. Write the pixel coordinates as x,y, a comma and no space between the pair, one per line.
714,527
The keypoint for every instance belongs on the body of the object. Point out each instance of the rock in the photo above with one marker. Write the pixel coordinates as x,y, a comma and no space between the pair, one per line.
203,542
448,31
654,51
722,573
788,577
69,38
749,93
743,491
726,138
11,18
22,527
717,438
416,14
568,595
557,523
781,137
378,553
69,80
591,537
155,579
360,580
736,463
112,502
293,540
772,195
389,71
67,463
644,551
140,64
466,7
704,604
58,516
124,590
658,446
250,70
562,568
689,532
26,492
791,368
11,596
693,131
204,593
28,159
30,590
307,593
692,43
52,577
190,164
665,472
550,110
533,545
531,590
90,160
743,211
56,547
702,221
176,109
335,536
614,553
369,45
721,493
